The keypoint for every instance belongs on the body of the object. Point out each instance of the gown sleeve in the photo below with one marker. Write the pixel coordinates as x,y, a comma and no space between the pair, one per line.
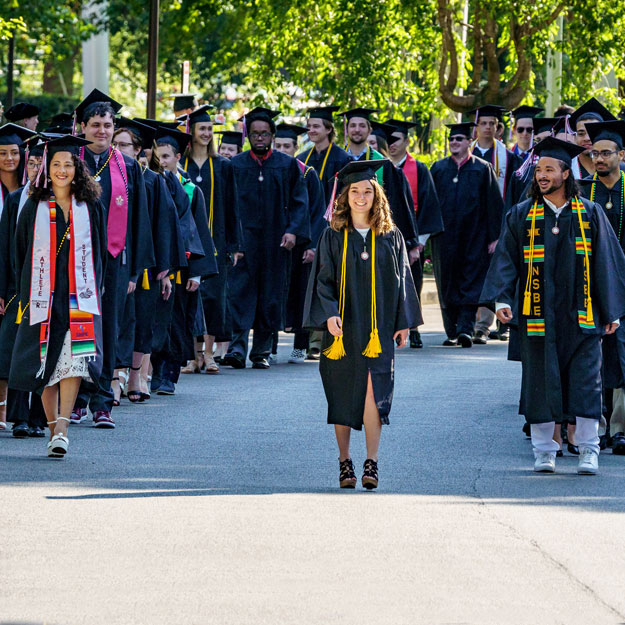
5,247
317,206
234,231
207,265
408,307
143,249
299,218
429,217
494,204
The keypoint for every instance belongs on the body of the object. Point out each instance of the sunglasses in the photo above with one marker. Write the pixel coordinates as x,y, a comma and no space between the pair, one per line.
458,138
520,130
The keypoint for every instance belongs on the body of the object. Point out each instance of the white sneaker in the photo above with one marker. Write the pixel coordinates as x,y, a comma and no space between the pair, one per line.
545,462
297,355
588,462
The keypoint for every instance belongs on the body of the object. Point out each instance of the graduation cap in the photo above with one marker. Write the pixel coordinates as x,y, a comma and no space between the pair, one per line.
95,97
199,115
21,110
593,109
233,137
610,131
12,134
359,112
526,112
465,129
259,113
545,124
357,171
53,144
323,112
143,131
383,130
154,123
399,125
184,101
176,139
488,110
555,148
289,131
61,119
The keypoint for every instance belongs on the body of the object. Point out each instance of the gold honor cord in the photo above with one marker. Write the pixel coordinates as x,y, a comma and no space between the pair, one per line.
374,348
336,351
325,160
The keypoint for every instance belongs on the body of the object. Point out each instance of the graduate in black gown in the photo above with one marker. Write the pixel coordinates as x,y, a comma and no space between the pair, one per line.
274,215
170,145
362,295
607,188
426,206
61,235
302,254
325,156
471,206
214,175
230,143
129,239
559,270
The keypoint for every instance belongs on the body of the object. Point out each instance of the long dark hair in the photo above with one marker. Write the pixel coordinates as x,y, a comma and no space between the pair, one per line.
84,187
571,188
155,162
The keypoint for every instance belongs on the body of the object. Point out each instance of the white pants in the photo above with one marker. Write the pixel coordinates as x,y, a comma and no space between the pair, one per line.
586,435
617,421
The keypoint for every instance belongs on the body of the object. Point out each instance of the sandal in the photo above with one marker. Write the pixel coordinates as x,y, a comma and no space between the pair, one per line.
134,396
59,444
211,365
370,474
117,392
347,477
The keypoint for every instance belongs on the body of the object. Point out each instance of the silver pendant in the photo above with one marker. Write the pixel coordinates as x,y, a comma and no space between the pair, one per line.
260,178
364,255
199,179
455,179
97,178
555,230
608,205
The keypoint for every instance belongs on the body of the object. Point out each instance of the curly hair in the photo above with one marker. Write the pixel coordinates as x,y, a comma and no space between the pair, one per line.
380,220
571,187
84,187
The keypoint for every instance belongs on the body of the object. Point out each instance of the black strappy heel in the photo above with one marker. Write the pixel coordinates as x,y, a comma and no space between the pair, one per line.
370,474
347,477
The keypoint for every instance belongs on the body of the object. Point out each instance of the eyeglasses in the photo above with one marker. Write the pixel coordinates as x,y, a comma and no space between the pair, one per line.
603,154
260,135
520,130
458,138
123,144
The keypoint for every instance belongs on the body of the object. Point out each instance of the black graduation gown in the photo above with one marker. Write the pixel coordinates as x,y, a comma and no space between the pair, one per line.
613,345
345,380
337,159
512,164
301,271
562,370
26,361
518,188
226,232
278,204
472,214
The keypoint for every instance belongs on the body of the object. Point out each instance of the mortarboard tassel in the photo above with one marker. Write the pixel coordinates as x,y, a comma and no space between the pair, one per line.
345,131
178,278
474,130
244,131
527,163
188,124
24,177
330,210
43,168
374,347
74,124
146,281
20,313
336,351
567,126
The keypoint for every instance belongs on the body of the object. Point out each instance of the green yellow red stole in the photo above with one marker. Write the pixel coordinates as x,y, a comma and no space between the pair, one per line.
533,274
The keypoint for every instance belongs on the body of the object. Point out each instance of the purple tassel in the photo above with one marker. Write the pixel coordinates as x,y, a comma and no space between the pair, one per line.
345,131
244,130
24,177
330,210
567,126
474,131
43,169
188,124
522,171
74,125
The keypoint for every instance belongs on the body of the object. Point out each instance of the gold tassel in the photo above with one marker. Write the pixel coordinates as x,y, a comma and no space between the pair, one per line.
178,278
527,302
374,347
20,313
589,316
336,351
146,281
171,276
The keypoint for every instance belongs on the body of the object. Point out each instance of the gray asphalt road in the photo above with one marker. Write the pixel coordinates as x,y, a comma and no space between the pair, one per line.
221,506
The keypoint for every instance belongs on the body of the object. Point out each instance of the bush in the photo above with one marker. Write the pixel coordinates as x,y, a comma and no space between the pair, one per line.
50,105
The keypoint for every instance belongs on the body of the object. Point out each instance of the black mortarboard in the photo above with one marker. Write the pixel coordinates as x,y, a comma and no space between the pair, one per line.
231,136
322,112
199,115
64,143
184,101
34,145
555,148
593,109
611,131
61,119
526,112
488,110
12,134
542,124
154,123
178,140
289,131
359,112
383,130
21,110
143,131
356,171
465,128
260,113
399,125
94,97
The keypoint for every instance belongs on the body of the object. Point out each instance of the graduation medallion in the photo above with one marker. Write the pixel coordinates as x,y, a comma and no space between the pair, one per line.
260,178
608,205
364,255
97,178
555,230
455,179
198,179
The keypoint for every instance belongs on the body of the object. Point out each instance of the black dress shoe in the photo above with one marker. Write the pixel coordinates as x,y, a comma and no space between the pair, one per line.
504,336
479,338
21,430
494,335
559,453
618,444
36,432
450,342
572,449
603,442
261,363
415,339
464,340
230,360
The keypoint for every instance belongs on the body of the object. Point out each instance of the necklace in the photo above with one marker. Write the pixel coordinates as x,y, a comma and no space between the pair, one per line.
609,204
96,176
